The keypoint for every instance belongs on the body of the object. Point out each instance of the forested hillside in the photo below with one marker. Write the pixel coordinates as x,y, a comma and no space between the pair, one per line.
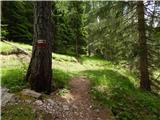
80,60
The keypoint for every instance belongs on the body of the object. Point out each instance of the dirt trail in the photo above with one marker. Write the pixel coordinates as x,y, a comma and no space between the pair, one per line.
79,102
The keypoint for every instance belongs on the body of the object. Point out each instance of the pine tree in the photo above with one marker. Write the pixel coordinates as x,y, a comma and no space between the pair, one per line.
39,73
143,53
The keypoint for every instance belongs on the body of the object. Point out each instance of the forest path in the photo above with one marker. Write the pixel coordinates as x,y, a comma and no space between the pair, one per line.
80,105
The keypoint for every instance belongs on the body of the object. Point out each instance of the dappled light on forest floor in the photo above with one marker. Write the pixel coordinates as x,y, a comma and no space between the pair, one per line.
91,88
120,94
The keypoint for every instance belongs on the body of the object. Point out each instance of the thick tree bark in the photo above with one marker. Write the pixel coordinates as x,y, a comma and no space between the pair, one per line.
39,73
143,54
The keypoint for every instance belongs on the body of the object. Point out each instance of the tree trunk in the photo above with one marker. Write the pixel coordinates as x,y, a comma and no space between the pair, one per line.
39,73
143,54
77,46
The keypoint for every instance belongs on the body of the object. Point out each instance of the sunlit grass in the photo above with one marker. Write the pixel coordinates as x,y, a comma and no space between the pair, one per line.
23,46
13,78
118,92
111,85
6,48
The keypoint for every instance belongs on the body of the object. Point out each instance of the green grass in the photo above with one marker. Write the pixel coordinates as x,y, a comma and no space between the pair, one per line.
17,112
13,70
13,78
111,85
23,46
6,48
118,92
9,49
61,78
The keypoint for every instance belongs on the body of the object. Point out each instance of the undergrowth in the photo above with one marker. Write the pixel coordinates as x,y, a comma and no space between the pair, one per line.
17,112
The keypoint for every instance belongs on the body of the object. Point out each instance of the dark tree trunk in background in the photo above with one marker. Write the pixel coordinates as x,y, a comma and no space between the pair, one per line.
39,73
143,54
77,46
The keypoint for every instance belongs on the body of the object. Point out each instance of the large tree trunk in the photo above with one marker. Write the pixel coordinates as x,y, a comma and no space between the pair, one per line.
143,54
39,73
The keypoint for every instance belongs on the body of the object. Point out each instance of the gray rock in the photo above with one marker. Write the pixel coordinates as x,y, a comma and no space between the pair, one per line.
3,91
28,101
51,101
99,118
97,110
15,99
31,93
65,107
38,102
5,96
75,107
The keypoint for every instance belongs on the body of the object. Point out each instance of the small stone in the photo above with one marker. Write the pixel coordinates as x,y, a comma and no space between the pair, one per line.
38,102
65,107
28,101
97,110
49,104
14,99
3,91
99,118
6,97
51,101
75,107
31,93
48,107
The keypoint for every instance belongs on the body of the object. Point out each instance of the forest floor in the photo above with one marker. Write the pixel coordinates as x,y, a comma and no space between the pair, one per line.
81,105
73,104
91,89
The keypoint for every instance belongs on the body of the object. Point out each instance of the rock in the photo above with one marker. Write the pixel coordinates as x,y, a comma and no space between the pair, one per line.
99,118
5,96
65,107
31,93
51,101
15,99
3,91
38,102
97,110
75,107
28,101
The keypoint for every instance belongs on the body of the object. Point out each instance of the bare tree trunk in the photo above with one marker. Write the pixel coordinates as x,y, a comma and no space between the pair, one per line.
39,72
77,46
143,54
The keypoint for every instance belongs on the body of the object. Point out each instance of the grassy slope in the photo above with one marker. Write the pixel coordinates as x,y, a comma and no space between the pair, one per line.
111,85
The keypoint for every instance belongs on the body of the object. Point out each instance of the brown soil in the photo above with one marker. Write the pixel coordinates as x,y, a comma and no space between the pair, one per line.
79,100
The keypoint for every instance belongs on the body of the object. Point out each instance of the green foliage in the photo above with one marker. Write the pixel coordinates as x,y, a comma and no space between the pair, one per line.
77,21
109,29
13,78
18,15
126,101
60,78
111,85
68,21
17,112
4,31
9,49
5,48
